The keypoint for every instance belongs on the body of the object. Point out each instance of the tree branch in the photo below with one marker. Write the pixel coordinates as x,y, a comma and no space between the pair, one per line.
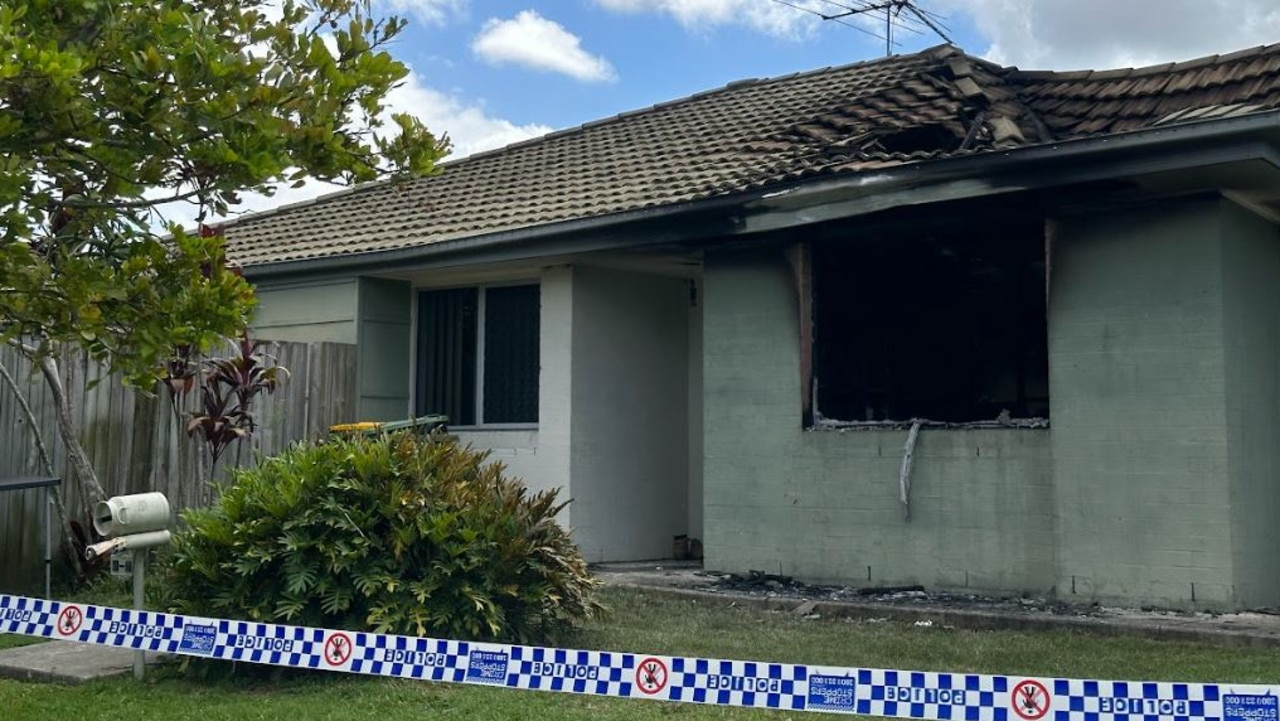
29,351
67,429
129,204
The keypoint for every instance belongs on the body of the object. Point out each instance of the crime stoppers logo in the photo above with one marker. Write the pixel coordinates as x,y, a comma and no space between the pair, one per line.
69,620
198,639
651,676
487,667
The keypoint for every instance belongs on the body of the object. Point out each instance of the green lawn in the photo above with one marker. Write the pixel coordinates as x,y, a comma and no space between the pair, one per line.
656,624
12,641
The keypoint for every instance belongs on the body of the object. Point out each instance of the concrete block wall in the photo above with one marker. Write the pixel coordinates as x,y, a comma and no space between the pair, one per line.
823,505
1137,388
552,465
1251,332
384,336
1157,482
306,311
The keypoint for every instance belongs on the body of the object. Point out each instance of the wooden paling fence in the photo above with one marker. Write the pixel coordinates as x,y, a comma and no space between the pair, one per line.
137,443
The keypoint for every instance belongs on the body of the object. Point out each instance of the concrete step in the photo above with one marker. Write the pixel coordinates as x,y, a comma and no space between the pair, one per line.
67,662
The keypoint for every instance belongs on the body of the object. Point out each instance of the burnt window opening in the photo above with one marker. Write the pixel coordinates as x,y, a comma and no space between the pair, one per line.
943,325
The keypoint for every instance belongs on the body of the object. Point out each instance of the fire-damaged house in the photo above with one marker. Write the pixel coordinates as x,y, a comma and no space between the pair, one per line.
917,320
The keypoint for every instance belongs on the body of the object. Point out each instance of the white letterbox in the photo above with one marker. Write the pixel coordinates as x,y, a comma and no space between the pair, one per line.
127,515
130,523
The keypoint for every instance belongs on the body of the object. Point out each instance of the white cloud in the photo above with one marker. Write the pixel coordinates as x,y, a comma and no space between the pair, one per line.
471,128
184,213
533,41
430,12
1070,34
770,18
1050,34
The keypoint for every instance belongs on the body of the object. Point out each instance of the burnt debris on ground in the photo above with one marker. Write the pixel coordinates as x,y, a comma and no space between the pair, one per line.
944,609
769,585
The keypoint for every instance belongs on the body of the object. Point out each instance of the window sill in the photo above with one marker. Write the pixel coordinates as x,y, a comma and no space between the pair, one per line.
486,427
1015,424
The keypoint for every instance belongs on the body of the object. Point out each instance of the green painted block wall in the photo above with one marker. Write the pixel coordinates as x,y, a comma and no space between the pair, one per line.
823,505
307,311
385,335
372,313
1137,387
1157,482
1251,317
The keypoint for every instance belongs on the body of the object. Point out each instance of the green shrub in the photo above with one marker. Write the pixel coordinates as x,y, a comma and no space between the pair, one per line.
399,534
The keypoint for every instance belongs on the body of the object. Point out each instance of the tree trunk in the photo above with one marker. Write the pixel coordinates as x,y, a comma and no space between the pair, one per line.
70,435
68,541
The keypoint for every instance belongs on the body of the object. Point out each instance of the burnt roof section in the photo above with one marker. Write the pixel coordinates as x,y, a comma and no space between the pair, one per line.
930,105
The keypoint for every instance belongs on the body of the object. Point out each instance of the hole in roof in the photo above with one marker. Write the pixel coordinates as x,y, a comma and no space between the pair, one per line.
929,138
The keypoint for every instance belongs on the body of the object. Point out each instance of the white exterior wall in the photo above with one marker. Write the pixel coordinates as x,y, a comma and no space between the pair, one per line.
630,413
540,456
554,381
515,449
616,410
695,414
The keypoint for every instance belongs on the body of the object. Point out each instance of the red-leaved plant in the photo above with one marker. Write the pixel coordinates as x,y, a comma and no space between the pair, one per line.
228,388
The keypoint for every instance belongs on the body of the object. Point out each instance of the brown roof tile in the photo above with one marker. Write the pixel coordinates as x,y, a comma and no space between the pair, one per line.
1074,103
906,109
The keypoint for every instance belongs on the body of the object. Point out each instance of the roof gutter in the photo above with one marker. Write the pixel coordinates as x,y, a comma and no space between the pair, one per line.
809,200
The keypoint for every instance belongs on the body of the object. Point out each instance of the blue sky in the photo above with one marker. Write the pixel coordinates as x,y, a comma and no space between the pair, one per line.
492,72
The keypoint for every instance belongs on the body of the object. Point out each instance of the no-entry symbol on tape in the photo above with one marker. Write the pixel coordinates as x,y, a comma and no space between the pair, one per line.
69,620
651,676
1030,700
337,649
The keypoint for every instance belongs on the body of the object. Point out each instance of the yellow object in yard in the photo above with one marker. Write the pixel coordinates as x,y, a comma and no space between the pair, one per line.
422,424
355,427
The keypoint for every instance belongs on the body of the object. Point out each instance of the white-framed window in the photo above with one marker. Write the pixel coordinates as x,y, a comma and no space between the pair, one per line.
477,354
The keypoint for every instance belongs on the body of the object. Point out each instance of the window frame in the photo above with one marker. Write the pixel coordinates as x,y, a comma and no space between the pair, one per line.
481,291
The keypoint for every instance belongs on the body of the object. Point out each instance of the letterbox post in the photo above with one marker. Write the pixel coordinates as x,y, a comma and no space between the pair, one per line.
135,524
139,585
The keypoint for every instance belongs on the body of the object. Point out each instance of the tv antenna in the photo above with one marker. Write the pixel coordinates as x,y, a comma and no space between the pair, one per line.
899,15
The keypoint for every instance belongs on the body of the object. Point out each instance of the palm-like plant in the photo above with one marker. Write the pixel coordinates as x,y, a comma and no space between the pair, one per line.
228,388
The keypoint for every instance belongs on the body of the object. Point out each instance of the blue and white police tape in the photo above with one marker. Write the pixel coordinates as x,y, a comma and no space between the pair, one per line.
795,687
